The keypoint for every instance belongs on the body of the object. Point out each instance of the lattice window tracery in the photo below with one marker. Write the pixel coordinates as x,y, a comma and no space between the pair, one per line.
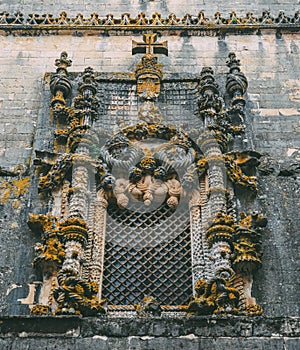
147,253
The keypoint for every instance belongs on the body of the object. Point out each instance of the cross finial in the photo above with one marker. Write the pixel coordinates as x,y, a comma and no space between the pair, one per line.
150,46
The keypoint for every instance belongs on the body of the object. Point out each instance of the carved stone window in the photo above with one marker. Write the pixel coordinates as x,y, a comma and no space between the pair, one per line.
141,185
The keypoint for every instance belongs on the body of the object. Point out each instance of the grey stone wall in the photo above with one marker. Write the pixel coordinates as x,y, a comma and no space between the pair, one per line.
271,64
133,7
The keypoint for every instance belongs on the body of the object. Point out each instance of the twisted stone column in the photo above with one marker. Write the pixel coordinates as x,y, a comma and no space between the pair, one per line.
201,264
97,235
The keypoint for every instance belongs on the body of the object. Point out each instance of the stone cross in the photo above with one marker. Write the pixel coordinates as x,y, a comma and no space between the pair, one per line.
150,46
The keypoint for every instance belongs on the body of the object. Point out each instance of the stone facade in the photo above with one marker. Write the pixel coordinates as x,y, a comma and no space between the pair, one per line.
269,54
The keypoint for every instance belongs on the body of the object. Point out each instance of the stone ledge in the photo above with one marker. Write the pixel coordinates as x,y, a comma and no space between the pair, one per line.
85,327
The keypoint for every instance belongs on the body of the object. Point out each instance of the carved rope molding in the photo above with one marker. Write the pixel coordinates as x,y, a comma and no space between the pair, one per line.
32,22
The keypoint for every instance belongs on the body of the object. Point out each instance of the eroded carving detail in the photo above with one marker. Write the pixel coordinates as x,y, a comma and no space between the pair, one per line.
247,258
214,296
148,307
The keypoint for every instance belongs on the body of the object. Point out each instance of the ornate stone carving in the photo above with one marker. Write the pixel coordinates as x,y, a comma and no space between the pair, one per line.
86,102
214,296
126,22
149,112
60,85
209,102
52,250
148,75
56,174
247,257
152,165
49,257
148,307
76,296
236,86
150,46
238,167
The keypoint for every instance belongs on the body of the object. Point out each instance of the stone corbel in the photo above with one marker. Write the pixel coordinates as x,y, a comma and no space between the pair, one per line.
55,176
215,296
49,257
148,307
247,257
239,166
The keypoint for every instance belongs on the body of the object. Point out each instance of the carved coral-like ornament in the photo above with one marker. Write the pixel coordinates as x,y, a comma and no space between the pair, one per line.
74,229
222,229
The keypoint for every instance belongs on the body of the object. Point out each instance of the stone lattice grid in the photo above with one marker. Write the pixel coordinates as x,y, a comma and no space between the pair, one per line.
120,104
178,104
147,254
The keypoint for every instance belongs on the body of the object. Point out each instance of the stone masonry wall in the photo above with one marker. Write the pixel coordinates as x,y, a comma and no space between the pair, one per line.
271,64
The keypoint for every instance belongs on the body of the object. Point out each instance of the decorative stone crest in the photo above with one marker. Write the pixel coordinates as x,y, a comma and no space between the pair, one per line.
148,75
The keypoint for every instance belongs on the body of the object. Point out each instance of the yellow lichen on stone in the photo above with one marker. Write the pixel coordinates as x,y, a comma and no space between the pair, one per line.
5,191
15,188
20,186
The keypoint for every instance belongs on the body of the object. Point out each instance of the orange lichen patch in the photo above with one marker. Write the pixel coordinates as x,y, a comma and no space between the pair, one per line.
253,310
53,251
14,189
20,187
5,191
77,296
16,204
148,307
41,223
40,310
182,307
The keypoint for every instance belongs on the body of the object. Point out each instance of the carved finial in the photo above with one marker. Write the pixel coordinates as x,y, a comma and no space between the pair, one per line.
86,102
209,100
232,62
60,85
236,81
88,81
63,63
